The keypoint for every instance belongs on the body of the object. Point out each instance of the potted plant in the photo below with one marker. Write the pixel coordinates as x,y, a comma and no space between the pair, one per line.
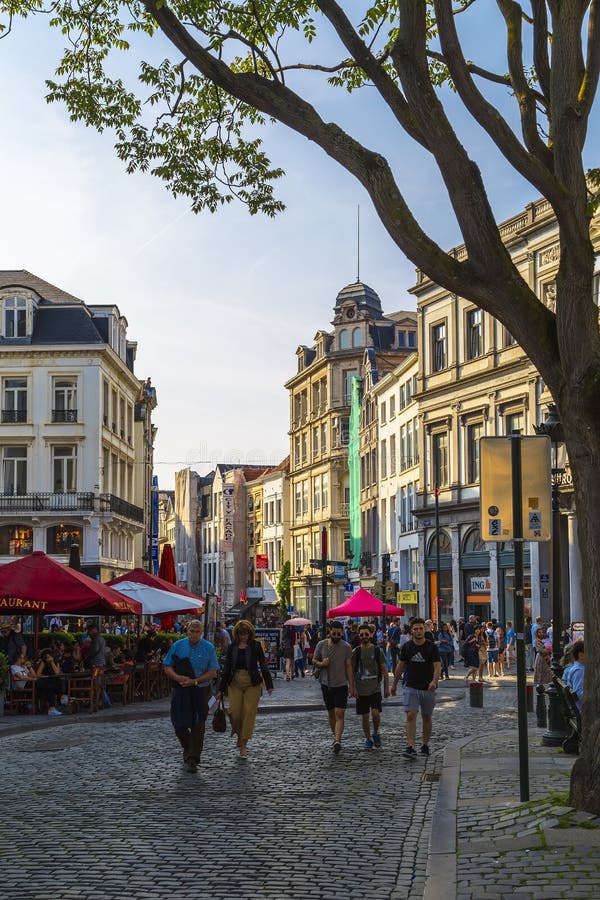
3,680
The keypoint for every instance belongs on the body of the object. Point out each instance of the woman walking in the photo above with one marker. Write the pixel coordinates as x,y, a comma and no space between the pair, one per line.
482,646
470,652
244,673
445,643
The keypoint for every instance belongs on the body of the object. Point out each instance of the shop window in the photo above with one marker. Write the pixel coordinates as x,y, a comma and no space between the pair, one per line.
60,538
15,540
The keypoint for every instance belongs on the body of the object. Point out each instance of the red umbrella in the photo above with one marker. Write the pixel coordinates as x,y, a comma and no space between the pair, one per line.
166,570
38,583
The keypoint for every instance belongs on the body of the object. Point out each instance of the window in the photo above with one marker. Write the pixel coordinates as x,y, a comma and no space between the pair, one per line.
298,499
474,334
402,397
408,392
323,438
297,451
509,340
402,339
439,444
15,317
412,339
325,491
278,508
402,447
315,441
438,347
344,339
409,444
14,470
61,538
305,498
105,402
392,454
348,375
357,338
304,446
317,493
384,459
64,469
445,544
14,400
382,412
65,400
514,422
473,542
15,540
392,406
474,433
403,510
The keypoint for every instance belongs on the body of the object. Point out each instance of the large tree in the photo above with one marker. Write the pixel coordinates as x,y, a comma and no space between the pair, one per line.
240,63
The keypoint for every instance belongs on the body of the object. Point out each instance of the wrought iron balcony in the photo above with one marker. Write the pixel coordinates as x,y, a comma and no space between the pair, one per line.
36,503
14,415
64,415
110,503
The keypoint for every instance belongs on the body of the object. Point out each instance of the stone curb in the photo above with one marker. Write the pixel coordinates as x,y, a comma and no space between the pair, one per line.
441,874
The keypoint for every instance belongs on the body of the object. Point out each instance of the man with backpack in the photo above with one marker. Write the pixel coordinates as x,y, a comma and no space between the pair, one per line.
393,645
370,668
421,658
492,651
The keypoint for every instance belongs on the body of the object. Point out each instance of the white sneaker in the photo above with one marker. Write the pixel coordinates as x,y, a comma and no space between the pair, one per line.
64,700
54,712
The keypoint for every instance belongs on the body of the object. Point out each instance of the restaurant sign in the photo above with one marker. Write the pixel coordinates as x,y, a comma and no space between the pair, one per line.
18,603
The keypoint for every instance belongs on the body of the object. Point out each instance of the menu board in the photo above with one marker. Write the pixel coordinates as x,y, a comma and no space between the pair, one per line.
270,639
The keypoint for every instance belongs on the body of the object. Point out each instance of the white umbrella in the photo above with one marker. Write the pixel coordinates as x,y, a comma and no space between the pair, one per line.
156,602
298,620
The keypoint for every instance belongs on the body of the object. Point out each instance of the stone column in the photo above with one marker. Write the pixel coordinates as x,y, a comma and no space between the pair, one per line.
455,538
574,571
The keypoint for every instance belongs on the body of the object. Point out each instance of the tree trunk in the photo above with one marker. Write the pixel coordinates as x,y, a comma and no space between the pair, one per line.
582,432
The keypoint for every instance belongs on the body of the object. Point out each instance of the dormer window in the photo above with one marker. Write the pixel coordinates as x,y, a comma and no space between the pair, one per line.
15,317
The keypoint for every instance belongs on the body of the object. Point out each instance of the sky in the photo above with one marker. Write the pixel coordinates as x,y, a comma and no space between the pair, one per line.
217,303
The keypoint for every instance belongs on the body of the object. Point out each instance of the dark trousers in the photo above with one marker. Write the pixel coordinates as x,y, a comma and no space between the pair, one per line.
192,741
445,658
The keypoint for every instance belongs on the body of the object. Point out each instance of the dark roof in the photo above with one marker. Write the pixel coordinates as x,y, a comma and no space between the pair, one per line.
364,296
24,279
65,325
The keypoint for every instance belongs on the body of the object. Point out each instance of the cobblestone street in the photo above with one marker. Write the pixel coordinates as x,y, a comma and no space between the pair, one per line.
103,808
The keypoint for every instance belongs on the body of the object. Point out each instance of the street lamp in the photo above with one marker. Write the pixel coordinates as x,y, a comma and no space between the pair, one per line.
557,731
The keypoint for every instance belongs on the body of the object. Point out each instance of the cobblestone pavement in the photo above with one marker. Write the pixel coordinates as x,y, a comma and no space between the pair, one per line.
525,851
104,808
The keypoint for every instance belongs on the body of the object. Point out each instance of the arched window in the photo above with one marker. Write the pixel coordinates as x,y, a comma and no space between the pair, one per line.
357,338
344,339
15,540
473,542
445,544
60,537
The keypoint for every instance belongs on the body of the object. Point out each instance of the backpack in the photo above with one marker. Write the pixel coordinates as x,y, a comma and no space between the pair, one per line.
491,639
394,637
357,661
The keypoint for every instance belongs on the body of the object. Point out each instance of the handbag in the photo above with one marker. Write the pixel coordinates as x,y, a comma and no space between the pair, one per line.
219,722
181,665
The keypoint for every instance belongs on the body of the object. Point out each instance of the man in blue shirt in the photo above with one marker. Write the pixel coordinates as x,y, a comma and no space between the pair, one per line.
575,675
192,664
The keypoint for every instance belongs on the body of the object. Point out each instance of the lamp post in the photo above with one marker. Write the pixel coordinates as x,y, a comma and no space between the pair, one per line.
557,731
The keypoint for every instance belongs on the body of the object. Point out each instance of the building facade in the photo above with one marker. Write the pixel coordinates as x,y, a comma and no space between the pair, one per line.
73,463
320,399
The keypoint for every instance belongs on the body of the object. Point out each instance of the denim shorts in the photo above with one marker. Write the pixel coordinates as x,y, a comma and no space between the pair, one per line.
492,656
415,700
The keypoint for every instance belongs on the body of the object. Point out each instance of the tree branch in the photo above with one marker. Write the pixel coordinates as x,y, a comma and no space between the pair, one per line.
541,36
531,168
513,16
589,86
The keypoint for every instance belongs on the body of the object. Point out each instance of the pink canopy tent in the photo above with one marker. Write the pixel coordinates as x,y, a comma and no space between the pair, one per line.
362,603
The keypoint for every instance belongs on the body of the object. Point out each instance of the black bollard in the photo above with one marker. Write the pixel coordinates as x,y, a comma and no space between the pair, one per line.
540,706
529,690
476,695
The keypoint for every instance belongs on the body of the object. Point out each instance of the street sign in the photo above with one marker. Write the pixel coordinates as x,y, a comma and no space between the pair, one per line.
496,488
339,572
349,587
316,563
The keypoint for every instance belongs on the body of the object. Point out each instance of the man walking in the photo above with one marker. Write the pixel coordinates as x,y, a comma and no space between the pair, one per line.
421,659
333,659
192,664
370,668
393,646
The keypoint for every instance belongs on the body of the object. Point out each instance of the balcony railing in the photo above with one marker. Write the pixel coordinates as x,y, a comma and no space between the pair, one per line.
108,502
64,415
14,415
35,503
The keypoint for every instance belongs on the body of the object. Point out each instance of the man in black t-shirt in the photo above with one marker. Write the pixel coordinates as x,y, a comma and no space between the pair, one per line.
421,659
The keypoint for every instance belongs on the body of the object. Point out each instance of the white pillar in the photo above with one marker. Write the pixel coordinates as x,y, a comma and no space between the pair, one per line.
574,571
494,582
455,537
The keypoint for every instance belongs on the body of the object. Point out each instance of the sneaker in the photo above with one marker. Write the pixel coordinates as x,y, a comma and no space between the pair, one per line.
410,753
368,744
64,700
54,712
424,751
336,747
377,739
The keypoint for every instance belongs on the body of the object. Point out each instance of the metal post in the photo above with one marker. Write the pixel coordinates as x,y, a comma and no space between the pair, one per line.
324,581
515,447
436,494
557,730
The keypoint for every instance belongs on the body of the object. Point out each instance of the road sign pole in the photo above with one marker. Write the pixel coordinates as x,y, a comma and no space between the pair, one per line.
517,512
324,581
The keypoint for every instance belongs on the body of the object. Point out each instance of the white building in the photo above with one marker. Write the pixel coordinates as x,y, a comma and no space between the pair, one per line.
68,423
